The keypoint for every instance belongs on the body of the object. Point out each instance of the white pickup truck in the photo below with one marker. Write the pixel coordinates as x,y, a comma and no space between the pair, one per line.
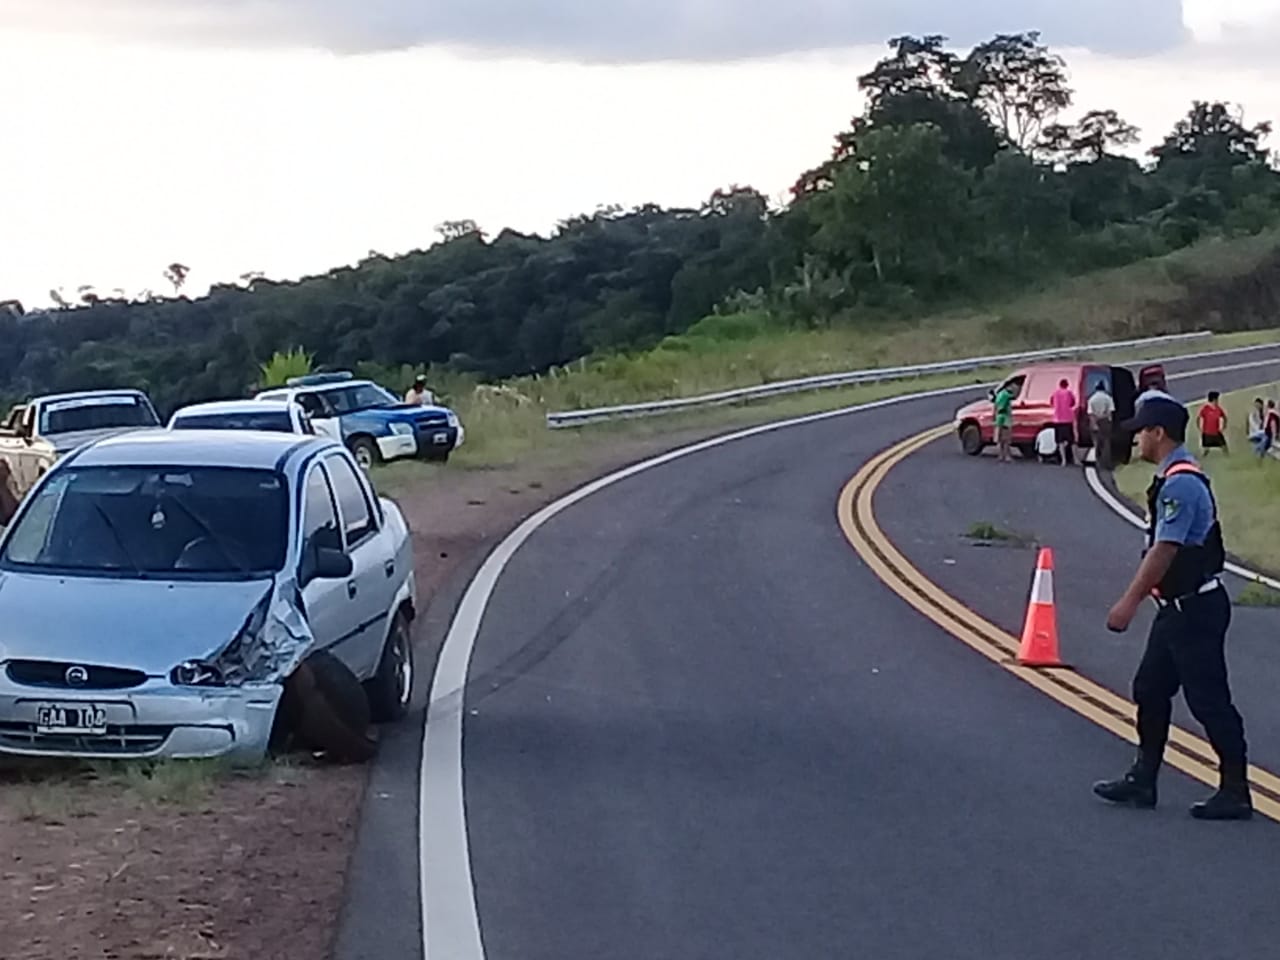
37,433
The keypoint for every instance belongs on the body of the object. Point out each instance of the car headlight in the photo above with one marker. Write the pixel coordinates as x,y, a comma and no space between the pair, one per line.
196,673
267,645
402,429
453,420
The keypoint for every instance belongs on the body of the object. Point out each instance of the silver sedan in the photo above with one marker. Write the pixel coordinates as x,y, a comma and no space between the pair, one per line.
156,590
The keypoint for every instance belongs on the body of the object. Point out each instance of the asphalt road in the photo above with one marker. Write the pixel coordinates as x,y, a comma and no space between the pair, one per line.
696,725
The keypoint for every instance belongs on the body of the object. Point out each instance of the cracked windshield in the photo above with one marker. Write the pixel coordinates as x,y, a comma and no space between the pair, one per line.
639,481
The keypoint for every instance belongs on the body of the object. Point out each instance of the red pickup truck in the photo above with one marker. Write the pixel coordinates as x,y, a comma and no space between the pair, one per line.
1033,387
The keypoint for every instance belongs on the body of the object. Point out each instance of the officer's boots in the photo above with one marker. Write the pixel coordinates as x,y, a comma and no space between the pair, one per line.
1232,801
1137,788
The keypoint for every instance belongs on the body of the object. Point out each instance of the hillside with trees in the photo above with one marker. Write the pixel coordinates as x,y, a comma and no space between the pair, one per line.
967,176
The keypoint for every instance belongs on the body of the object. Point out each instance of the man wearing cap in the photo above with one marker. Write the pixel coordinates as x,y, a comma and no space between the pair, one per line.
1180,571
418,394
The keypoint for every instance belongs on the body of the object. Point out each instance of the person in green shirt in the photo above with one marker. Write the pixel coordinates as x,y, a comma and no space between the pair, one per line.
1004,424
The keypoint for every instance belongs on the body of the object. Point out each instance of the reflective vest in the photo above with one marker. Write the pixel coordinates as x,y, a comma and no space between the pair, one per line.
1193,564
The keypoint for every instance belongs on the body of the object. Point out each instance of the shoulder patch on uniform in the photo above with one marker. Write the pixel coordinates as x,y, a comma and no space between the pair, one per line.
1169,508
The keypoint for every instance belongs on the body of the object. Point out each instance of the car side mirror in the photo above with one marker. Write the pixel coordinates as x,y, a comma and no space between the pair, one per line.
332,564
324,563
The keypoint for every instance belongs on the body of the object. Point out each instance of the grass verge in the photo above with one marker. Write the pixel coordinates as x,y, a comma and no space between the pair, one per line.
1258,595
1247,488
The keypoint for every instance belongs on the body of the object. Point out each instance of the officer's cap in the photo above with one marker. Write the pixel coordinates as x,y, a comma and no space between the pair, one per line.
1159,411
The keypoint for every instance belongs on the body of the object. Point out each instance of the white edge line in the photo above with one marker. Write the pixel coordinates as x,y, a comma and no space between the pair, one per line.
1127,514
450,922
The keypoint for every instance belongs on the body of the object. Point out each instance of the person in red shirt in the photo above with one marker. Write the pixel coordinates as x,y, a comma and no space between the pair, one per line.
1212,420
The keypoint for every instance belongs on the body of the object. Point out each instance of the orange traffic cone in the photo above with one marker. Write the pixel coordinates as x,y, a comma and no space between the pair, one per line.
1040,631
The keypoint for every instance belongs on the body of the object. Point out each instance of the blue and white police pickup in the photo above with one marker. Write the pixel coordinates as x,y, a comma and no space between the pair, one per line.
375,425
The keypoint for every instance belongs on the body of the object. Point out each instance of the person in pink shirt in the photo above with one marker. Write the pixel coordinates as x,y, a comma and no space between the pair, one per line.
1064,417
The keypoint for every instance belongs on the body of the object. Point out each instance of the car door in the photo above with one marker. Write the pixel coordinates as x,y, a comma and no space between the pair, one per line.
1125,395
1033,411
324,418
373,568
331,610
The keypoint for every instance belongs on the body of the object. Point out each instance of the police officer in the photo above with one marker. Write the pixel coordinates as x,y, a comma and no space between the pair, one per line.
1180,571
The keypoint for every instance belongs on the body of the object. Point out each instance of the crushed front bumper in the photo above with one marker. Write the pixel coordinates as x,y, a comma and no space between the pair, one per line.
155,720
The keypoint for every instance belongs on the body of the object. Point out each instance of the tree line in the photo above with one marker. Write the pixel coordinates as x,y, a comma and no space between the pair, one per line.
959,180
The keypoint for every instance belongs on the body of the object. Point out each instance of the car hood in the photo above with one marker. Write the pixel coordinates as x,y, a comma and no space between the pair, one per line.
66,442
137,624
973,409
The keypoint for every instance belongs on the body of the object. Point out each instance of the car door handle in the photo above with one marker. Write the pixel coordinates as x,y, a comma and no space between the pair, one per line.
389,568
351,589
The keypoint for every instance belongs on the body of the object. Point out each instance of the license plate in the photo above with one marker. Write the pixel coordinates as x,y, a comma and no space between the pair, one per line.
70,718
440,438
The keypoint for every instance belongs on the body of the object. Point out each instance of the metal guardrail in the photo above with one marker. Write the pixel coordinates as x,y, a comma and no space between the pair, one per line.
573,418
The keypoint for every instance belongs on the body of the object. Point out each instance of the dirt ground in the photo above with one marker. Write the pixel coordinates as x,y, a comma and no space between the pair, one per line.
239,867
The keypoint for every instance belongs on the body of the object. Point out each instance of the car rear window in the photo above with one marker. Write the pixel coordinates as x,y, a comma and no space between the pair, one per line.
276,421
95,413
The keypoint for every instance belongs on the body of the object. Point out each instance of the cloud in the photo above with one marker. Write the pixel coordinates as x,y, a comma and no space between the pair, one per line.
609,30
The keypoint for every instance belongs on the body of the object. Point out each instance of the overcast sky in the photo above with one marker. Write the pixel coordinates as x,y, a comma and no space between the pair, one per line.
293,135
613,30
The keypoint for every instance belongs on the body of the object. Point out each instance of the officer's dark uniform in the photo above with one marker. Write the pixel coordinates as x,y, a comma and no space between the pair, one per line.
1186,645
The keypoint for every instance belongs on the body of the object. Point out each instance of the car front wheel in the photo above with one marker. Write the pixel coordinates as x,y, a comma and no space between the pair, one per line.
971,439
391,688
365,451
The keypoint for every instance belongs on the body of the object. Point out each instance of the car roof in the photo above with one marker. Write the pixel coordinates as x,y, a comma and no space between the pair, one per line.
235,406
244,449
1062,366
317,387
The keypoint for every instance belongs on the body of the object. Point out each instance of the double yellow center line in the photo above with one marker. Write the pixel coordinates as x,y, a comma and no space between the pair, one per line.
1186,752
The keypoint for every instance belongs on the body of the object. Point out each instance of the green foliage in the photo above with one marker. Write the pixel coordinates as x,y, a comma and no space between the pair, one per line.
282,366
958,184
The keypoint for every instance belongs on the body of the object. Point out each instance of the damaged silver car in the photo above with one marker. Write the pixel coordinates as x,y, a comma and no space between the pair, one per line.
158,590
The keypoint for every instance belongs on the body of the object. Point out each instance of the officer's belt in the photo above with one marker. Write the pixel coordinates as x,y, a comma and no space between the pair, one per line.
1210,585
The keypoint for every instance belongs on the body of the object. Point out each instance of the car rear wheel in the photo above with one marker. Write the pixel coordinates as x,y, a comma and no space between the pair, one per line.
1027,451
391,688
365,451
971,439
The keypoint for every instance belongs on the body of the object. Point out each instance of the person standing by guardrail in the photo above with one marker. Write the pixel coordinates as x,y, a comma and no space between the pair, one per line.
1181,571
1101,411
